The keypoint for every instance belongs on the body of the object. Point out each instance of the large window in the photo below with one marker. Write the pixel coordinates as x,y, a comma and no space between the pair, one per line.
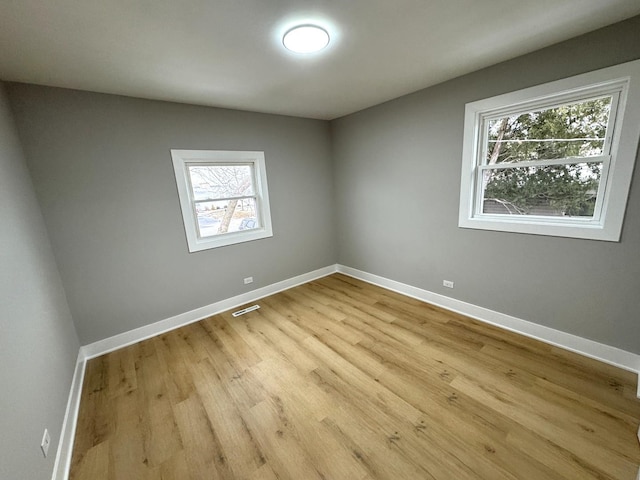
555,159
223,197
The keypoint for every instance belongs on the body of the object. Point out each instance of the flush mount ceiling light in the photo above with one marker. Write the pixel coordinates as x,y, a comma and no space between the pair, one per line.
306,39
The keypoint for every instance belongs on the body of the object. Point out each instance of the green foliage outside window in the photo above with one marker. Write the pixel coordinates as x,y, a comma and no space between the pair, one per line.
564,132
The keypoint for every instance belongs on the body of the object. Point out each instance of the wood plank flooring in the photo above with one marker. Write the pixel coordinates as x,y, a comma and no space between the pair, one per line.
341,380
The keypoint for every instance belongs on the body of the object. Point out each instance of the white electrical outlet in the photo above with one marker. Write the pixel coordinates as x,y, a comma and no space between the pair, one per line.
248,280
447,283
46,440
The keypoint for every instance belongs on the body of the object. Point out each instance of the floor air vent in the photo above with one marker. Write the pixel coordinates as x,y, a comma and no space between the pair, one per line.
245,310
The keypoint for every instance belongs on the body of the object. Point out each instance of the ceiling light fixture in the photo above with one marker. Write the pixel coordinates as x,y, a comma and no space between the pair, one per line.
306,39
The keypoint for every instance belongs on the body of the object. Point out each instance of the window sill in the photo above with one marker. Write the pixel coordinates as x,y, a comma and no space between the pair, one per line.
199,244
584,230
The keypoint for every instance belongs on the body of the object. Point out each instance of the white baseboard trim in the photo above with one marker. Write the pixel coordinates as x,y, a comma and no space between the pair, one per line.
121,340
68,432
599,351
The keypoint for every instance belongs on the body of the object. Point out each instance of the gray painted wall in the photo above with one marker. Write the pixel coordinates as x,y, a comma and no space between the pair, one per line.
38,343
102,170
397,180
383,182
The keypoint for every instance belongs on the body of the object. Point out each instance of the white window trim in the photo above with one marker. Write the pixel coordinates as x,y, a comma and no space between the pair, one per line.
616,182
181,160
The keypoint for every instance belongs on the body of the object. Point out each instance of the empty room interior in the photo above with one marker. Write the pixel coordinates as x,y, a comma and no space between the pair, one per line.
359,240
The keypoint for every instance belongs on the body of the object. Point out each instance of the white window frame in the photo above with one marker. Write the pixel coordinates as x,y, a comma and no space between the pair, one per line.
181,161
623,81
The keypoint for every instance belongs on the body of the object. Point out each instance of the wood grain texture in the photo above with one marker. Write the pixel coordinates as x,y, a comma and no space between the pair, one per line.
339,379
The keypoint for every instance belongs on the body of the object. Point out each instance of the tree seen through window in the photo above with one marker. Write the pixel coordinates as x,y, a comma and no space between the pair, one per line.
573,133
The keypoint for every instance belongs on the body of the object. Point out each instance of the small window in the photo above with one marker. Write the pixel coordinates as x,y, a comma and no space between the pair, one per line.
555,159
223,197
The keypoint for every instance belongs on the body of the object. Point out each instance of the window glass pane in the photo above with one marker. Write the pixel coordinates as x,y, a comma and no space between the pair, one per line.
557,190
570,130
226,216
221,181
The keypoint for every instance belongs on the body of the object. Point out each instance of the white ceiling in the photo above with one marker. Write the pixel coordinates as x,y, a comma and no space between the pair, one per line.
229,53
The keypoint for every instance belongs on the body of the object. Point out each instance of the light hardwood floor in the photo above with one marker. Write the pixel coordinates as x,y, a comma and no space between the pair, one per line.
338,379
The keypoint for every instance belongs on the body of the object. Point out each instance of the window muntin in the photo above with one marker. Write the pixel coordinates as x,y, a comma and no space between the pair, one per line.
223,197
554,159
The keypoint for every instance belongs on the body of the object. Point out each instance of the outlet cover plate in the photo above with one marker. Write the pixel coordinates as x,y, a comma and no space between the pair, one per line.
46,441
